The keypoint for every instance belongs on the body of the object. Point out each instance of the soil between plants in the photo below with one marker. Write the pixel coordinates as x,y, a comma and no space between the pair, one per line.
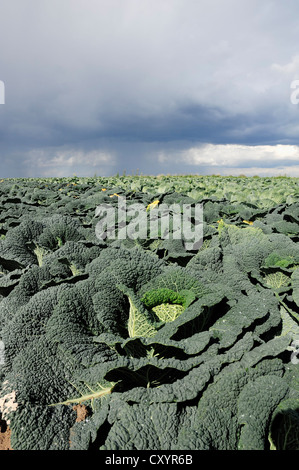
4,436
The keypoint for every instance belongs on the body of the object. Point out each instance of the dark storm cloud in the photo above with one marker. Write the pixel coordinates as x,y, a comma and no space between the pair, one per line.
105,86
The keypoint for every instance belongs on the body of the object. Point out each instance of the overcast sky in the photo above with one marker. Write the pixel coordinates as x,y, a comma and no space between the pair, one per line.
149,86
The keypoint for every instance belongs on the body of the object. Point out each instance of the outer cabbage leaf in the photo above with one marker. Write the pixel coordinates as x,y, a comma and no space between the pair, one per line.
142,426
284,428
256,403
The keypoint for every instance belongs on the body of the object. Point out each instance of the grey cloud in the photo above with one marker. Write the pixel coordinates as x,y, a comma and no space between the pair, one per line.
130,78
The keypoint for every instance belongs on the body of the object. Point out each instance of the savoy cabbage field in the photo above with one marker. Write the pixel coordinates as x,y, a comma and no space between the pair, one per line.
142,344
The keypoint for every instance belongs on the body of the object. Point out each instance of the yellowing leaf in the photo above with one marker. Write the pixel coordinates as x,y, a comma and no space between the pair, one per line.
152,205
247,222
